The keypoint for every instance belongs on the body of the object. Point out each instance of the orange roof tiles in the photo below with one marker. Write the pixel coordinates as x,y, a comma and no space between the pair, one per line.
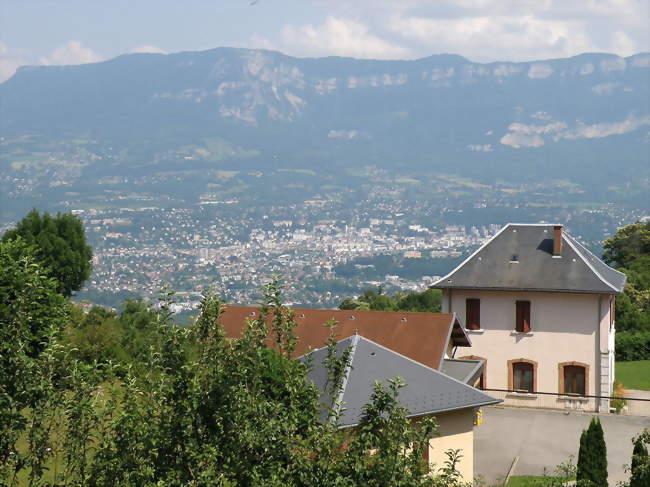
422,337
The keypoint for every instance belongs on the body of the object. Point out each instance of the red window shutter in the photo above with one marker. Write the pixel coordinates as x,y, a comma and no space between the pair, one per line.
522,323
473,314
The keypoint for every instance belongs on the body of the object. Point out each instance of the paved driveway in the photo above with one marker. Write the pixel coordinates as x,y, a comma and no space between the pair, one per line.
544,439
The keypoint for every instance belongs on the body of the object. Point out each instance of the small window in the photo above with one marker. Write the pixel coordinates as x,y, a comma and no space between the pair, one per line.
523,377
574,379
473,314
522,319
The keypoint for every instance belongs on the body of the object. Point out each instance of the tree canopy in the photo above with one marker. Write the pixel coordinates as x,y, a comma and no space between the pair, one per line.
376,300
60,246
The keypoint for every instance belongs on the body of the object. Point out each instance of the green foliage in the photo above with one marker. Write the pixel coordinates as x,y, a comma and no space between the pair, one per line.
60,244
640,466
629,252
563,475
218,412
592,456
104,336
632,346
31,315
376,300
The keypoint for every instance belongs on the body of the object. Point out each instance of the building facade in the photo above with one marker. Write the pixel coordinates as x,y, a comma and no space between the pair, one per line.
539,309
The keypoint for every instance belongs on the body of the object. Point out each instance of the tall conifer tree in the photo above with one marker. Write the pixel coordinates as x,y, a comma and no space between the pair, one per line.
592,456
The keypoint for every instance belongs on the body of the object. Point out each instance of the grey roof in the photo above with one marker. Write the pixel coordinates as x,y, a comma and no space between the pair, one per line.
464,370
427,391
493,265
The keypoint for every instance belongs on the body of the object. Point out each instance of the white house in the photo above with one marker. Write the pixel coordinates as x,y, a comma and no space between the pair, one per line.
539,308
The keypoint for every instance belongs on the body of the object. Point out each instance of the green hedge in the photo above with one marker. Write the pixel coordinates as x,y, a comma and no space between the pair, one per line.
632,346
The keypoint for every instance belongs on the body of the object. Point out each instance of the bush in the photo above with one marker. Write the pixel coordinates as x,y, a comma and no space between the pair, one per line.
632,346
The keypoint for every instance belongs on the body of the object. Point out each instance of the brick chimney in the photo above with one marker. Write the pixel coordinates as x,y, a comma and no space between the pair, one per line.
557,240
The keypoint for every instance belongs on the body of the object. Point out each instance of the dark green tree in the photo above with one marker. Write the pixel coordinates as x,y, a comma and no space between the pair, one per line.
376,300
60,245
592,456
629,252
640,466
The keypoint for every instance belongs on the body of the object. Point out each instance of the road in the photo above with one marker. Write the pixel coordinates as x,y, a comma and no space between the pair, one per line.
543,439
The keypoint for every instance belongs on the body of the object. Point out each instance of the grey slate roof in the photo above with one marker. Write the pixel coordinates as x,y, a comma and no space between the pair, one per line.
492,266
427,391
464,370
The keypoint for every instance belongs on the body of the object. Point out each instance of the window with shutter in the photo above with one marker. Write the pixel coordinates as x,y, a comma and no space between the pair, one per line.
473,314
522,318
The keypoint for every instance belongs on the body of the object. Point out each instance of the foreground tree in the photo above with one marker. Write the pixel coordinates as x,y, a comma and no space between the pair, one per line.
592,456
60,244
31,314
640,466
209,411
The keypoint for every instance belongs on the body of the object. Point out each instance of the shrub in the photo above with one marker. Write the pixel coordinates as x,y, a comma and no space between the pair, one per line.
632,346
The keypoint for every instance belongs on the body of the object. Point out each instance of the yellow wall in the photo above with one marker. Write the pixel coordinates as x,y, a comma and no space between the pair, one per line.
456,430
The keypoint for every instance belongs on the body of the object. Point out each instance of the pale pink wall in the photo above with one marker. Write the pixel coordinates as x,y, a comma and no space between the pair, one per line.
564,328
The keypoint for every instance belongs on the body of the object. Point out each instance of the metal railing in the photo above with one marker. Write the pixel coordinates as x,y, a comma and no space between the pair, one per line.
572,402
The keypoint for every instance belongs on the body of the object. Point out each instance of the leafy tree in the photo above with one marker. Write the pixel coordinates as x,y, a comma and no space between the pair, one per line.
60,244
592,456
97,337
640,466
219,413
376,300
629,252
31,313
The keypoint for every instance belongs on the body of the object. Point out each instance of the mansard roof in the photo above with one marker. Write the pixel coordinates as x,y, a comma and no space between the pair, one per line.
520,257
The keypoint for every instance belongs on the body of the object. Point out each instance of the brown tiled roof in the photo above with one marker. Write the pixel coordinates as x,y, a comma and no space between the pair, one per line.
422,337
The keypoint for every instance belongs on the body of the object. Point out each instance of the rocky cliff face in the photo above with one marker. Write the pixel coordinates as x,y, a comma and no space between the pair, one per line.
582,112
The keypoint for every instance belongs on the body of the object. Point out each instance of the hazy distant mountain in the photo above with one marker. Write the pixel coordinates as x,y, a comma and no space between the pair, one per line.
585,118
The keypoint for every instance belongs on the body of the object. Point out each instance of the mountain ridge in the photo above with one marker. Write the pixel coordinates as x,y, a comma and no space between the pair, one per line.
584,118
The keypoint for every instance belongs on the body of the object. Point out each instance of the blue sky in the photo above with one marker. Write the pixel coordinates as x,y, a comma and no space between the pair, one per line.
79,31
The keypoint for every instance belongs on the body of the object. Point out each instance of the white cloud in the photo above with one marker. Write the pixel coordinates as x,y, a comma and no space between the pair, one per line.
10,59
148,49
499,30
335,37
72,52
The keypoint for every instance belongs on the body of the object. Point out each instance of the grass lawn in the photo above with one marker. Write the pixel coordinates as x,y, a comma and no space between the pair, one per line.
634,375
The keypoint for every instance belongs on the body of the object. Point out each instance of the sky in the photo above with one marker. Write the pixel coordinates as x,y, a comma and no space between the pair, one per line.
54,32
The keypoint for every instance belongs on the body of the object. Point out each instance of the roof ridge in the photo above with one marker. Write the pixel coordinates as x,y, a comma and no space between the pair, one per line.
353,346
572,242
472,255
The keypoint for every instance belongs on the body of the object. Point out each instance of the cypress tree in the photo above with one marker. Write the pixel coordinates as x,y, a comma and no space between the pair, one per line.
640,467
592,456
